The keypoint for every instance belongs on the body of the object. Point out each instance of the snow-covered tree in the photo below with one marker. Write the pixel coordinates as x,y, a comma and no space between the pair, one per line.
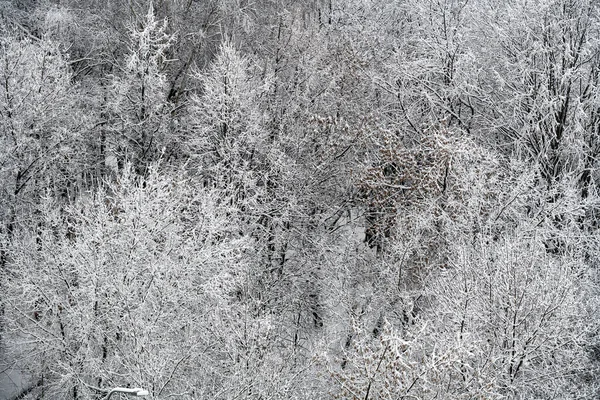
119,288
38,128
138,107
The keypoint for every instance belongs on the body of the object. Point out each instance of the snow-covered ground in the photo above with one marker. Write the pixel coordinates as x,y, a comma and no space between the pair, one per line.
12,382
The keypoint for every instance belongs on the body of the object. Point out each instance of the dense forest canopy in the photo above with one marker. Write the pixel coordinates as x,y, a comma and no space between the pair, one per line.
283,199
